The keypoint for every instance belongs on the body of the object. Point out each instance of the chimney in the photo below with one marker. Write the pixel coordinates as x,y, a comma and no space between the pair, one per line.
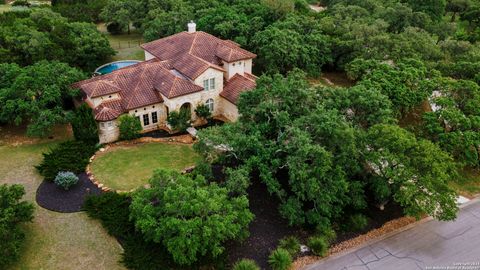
192,27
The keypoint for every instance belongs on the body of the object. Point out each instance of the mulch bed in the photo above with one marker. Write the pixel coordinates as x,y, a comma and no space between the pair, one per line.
54,198
266,229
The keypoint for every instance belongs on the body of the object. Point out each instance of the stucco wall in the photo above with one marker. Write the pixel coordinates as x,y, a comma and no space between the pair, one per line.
228,109
98,100
161,114
148,56
237,67
107,134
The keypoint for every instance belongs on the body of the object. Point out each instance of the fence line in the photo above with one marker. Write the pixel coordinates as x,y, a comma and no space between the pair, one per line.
117,45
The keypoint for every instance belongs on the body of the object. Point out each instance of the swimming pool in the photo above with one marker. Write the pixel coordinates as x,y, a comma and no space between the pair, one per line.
107,68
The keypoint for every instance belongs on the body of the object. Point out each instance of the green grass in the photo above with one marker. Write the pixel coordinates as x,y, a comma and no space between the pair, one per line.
127,46
129,167
53,240
468,184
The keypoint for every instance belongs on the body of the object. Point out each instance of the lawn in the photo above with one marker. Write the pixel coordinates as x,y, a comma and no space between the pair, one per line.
4,8
126,45
468,183
53,240
129,167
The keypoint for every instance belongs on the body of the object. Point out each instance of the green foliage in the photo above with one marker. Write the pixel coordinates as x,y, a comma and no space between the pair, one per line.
66,180
296,46
434,8
84,126
13,213
406,84
26,98
318,245
80,11
122,12
290,244
328,233
129,126
203,111
280,259
179,121
70,156
245,264
112,209
237,180
415,171
190,217
40,34
356,222
21,3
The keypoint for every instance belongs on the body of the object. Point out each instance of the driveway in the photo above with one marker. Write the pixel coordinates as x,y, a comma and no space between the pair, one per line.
430,245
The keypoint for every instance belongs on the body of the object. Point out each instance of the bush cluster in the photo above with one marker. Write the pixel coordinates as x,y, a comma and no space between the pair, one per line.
280,259
318,245
129,127
357,222
13,212
84,126
290,244
246,264
66,180
72,156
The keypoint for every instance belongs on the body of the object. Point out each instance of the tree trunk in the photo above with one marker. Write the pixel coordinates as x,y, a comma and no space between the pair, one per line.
128,28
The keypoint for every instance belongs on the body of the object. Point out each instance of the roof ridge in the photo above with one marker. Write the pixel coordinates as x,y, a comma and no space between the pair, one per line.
193,43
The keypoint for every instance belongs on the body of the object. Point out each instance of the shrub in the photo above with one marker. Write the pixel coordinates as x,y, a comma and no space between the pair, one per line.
246,264
290,244
280,259
84,125
327,232
72,156
13,212
23,3
357,222
179,121
200,217
129,127
203,111
318,245
66,180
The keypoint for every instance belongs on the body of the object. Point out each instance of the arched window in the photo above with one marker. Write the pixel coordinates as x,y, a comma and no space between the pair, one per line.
209,104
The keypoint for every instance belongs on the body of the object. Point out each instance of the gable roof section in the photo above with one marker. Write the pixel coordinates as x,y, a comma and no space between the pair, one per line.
192,66
200,44
236,85
138,85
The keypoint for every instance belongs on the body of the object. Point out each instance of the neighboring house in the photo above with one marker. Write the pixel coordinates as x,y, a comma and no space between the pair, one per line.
180,71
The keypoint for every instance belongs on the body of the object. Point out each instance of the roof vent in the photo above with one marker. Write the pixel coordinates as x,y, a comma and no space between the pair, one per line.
192,27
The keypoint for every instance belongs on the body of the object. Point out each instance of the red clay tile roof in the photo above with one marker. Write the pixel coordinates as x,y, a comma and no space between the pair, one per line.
138,85
192,66
108,110
236,85
199,44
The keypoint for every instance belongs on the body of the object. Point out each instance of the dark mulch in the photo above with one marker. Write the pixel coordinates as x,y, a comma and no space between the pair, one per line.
266,229
269,227
54,198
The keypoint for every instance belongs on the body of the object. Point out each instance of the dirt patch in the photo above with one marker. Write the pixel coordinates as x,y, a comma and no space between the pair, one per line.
15,135
54,198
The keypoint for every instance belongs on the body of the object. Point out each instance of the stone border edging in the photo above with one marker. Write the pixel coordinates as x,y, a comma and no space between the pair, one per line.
182,139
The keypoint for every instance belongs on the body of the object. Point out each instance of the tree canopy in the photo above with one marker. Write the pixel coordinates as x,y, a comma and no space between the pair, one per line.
190,217
37,95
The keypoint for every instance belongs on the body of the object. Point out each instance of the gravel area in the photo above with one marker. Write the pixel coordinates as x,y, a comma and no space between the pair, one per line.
54,198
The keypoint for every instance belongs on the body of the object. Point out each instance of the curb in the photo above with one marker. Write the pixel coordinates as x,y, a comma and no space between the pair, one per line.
382,237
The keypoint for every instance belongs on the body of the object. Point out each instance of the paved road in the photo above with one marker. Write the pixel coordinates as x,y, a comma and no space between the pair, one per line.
431,245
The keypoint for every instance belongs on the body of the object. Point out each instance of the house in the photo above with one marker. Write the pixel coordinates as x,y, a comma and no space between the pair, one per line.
180,71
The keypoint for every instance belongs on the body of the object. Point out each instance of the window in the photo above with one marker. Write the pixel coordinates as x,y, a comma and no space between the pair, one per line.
110,125
233,64
205,84
146,120
154,117
102,125
209,104
212,83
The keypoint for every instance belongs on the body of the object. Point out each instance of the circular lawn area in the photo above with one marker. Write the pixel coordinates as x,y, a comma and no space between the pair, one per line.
128,167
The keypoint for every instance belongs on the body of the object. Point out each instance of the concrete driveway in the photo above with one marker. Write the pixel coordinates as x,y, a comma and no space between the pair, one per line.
430,245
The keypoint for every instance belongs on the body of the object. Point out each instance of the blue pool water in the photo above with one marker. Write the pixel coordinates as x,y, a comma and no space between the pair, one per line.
107,68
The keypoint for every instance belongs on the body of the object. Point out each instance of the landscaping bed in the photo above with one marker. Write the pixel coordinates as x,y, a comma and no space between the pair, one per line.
52,197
